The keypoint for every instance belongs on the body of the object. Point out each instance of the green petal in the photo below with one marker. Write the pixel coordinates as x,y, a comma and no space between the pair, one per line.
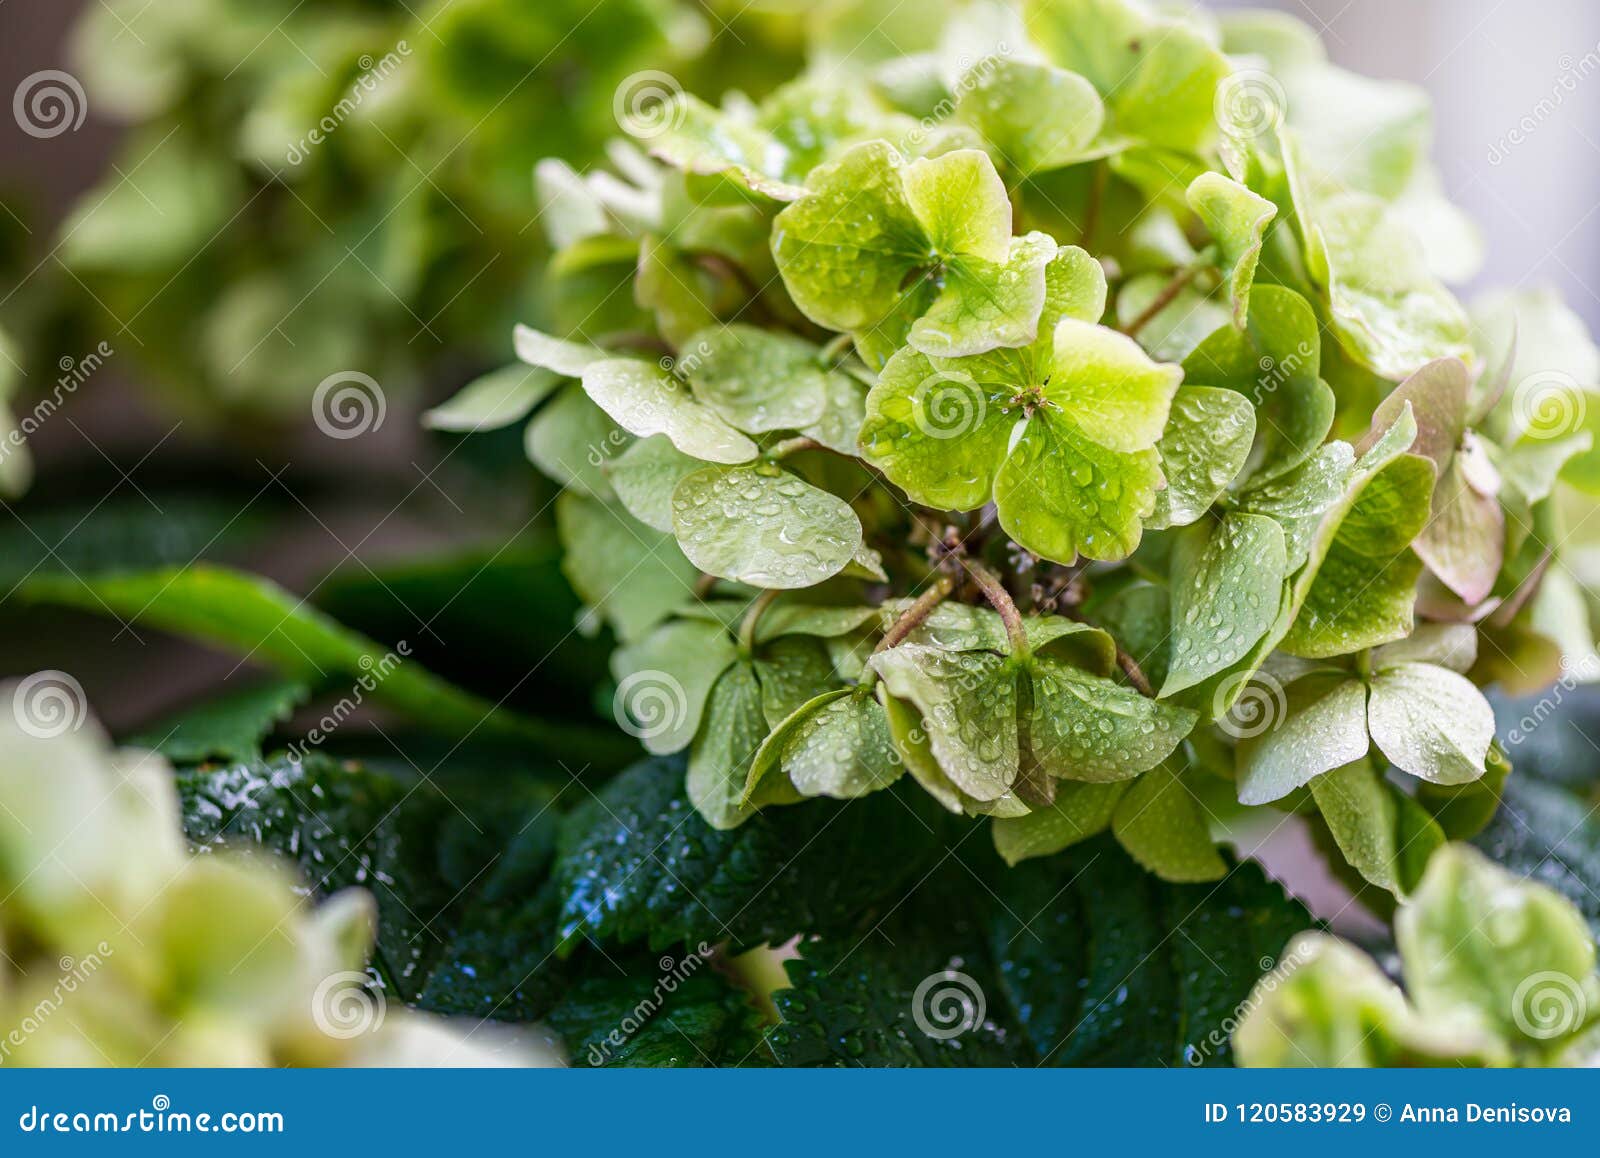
910,737
1431,722
665,678
1085,727
1227,579
1079,811
1363,814
1275,363
1163,826
1074,287
719,762
1060,495
497,399
968,702
1298,498
768,530
569,359
836,745
844,410
1482,946
1237,220
937,431
1317,724
1159,78
845,248
962,205
1109,387
1389,312
788,618
645,475
1208,437
1364,589
1335,1007
1035,116
964,627
632,576
755,379
793,670
571,439
985,304
645,400
704,140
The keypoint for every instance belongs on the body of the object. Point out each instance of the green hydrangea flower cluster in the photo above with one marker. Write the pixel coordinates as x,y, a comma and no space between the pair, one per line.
310,188
1498,971
120,948
1063,404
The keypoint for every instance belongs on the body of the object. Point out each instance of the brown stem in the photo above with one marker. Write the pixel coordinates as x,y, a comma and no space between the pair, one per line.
1000,599
1130,668
1091,213
705,585
912,617
1165,298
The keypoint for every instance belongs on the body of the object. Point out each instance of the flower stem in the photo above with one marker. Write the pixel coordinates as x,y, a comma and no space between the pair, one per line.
747,626
1000,599
1130,668
1162,300
913,616
784,448
836,349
